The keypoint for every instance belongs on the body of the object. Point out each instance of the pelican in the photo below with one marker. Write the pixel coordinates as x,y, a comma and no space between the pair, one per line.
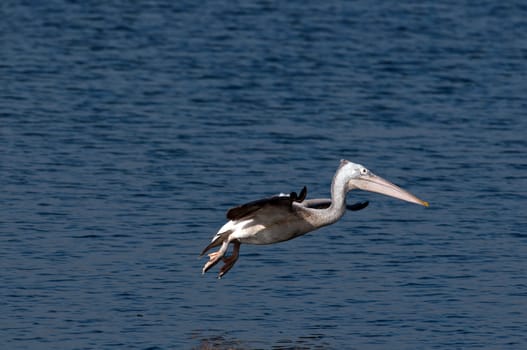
284,217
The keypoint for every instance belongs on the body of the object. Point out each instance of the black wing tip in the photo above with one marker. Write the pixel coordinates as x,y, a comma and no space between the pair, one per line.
293,197
302,195
357,206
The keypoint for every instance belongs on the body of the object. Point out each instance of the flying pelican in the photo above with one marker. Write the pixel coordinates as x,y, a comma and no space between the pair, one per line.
284,217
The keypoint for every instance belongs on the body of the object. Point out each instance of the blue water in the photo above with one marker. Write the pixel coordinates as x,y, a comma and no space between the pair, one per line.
128,129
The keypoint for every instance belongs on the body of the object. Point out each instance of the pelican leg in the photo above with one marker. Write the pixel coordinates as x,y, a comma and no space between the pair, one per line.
215,257
229,262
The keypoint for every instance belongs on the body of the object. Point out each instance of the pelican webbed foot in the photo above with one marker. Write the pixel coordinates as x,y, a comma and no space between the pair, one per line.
229,261
215,257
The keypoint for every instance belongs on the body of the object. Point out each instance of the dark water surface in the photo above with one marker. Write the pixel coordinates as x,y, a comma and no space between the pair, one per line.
128,129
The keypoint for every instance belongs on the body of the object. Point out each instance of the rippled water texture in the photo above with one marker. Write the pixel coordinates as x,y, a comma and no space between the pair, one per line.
128,129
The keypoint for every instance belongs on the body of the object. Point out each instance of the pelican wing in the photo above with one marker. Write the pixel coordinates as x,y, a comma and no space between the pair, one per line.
317,203
285,201
247,209
357,206
323,203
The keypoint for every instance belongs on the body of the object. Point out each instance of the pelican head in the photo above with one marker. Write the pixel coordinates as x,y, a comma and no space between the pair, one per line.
363,179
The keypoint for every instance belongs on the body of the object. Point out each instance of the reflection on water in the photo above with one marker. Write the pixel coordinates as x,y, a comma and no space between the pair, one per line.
220,342
225,342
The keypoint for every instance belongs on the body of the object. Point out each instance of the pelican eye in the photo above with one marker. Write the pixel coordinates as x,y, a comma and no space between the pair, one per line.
363,171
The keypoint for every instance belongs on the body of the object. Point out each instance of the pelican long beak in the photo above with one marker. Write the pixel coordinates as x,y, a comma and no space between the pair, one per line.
374,183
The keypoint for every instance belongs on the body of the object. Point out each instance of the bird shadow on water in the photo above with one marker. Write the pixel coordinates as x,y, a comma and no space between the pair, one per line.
225,342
